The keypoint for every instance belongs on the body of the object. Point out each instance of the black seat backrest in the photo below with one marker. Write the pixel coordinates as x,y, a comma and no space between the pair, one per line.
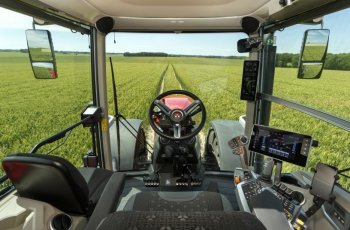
49,179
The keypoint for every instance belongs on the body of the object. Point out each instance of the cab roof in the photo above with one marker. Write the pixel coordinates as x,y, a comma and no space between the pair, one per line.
176,15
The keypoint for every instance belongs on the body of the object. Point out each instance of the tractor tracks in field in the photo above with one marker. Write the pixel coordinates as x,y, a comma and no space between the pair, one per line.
201,134
161,80
169,72
177,77
171,76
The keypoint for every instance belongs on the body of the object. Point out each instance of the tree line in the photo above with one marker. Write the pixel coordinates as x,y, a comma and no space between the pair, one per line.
287,60
333,61
160,54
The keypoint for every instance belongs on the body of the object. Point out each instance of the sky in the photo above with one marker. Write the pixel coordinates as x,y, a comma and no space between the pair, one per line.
13,26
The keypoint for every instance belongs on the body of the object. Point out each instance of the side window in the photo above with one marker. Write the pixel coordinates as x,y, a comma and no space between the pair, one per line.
31,109
330,93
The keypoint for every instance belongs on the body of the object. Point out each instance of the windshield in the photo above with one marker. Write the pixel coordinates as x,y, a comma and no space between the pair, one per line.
207,65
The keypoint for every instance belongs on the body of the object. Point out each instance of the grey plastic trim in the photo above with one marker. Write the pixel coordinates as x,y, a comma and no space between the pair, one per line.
319,11
334,120
242,202
329,218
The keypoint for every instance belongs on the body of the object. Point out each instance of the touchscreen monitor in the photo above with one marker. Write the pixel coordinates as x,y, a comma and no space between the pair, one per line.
280,144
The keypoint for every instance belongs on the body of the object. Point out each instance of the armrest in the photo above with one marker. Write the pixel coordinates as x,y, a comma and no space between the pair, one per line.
268,209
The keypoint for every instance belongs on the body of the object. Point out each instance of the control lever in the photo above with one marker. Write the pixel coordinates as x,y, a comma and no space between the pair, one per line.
238,145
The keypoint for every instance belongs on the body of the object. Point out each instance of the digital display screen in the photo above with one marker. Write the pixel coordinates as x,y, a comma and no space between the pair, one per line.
249,80
279,144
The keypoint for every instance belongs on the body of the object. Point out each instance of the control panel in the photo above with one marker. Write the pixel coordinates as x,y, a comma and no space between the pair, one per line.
291,200
283,193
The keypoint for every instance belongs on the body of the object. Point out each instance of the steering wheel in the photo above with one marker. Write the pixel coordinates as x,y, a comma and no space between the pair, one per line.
177,117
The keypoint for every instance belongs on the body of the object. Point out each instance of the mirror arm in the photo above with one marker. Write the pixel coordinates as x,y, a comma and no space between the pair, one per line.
33,24
59,135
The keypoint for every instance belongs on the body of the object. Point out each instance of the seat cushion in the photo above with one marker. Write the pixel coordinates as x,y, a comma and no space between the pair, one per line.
150,220
178,201
96,179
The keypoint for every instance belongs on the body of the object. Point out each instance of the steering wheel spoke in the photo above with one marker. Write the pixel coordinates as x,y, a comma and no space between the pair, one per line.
193,108
177,130
165,109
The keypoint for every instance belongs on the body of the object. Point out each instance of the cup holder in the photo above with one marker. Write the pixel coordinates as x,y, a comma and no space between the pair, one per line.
61,222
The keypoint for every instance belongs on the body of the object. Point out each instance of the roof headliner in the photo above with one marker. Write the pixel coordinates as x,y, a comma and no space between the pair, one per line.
177,15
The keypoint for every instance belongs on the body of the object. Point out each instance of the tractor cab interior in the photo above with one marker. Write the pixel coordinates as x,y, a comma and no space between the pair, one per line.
186,165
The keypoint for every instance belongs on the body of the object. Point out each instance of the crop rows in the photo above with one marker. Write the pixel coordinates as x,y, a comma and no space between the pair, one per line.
218,86
33,110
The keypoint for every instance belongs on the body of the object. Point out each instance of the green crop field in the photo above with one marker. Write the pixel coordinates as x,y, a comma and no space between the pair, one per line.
41,54
32,110
314,52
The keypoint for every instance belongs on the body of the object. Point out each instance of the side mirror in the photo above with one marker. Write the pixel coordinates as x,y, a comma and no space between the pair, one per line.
41,54
313,53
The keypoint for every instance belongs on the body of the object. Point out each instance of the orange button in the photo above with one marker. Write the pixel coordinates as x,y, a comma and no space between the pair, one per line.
237,180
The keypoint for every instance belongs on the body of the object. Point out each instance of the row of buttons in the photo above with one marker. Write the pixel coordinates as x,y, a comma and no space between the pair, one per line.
185,183
151,182
251,189
283,194
279,187
341,220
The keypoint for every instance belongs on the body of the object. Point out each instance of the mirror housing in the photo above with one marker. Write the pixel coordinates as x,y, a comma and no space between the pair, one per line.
313,53
41,54
248,44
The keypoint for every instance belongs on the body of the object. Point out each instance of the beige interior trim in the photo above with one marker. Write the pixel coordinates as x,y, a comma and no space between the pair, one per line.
18,213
